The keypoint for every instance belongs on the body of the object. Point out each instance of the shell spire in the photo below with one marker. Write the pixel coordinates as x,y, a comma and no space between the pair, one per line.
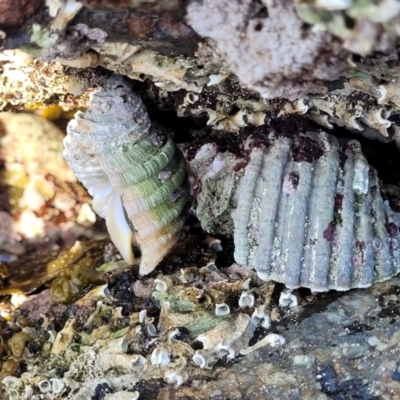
132,169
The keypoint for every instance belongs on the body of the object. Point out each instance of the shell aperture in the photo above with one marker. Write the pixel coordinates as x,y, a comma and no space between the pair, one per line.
133,171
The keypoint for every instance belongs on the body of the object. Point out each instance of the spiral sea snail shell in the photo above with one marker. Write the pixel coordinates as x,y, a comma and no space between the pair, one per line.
133,170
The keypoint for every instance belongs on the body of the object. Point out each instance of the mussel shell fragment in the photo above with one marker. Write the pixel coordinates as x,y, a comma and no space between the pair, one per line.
304,210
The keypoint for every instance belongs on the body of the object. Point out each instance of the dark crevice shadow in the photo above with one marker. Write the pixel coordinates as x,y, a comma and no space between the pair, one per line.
5,204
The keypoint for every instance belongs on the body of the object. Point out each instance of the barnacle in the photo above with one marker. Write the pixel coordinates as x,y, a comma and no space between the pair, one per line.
53,386
230,336
11,386
222,309
63,338
104,347
121,158
204,358
246,300
362,107
306,211
271,339
170,73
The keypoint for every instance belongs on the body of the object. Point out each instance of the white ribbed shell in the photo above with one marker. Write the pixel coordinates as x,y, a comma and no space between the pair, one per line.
306,212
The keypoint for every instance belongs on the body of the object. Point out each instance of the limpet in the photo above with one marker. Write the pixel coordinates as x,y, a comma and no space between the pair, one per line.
133,170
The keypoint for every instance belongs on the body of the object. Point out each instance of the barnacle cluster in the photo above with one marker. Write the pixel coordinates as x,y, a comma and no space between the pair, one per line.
169,73
187,332
363,103
119,350
361,98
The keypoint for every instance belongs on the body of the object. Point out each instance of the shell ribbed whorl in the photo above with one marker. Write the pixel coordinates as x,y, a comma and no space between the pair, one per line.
131,168
116,117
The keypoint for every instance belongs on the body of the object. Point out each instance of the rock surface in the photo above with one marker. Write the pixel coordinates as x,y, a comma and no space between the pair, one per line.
214,72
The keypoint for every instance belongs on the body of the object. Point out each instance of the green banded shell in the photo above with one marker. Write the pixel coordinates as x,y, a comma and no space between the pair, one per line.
133,170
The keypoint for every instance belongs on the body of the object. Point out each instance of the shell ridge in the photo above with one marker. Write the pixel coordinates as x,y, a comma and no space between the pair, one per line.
341,267
273,165
166,214
162,194
141,161
392,224
320,214
363,257
163,236
292,229
242,218
317,200
137,174
383,266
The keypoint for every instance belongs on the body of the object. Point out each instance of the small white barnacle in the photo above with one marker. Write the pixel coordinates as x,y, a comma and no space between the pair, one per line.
161,285
44,386
142,316
246,300
175,377
287,299
222,309
138,361
204,359
161,355
133,170
260,317
57,385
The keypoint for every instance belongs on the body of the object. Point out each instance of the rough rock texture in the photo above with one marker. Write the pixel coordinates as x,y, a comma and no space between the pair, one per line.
174,345
267,46
30,83
156,25
347,350
201,68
